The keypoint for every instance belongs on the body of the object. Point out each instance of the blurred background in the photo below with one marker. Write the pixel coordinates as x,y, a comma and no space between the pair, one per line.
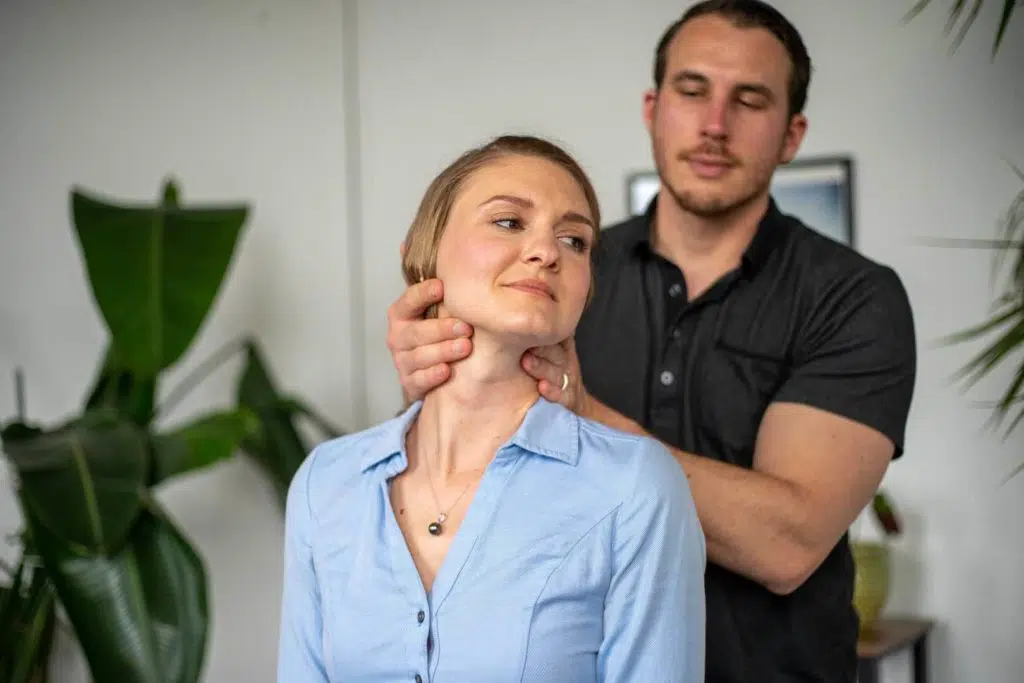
328,118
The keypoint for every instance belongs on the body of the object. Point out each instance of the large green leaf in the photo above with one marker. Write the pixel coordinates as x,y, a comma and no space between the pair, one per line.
140,614
27,622
279,449
202,443
154,271
120,389
82,482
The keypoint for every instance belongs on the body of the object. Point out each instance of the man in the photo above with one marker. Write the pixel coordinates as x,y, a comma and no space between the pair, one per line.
777,364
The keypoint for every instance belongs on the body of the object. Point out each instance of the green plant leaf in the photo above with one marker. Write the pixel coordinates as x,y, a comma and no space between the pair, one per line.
202,443
997,320
27,623
120,389
154,270
279,449
956,14
1004,21
140,614
885,513
991,355
83,481
297,407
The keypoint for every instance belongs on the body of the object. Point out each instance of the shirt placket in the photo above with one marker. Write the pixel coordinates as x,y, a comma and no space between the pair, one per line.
667,379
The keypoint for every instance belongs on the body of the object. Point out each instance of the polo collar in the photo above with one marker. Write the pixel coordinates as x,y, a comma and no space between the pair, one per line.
768,235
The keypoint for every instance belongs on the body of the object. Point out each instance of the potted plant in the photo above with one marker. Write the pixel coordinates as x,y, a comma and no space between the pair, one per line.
871,563
99,552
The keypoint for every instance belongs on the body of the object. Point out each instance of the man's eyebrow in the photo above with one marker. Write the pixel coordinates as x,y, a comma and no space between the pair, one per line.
568,216
689,75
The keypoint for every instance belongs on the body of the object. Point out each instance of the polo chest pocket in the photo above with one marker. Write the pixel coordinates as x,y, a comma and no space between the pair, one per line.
739,378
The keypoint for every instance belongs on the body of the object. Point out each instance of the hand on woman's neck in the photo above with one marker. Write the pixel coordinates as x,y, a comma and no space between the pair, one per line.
463,422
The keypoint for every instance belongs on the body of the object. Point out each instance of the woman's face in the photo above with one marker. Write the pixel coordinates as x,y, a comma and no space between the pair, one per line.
515,255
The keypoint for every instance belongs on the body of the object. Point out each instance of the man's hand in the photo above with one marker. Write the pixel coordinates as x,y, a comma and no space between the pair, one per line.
423,348
550,366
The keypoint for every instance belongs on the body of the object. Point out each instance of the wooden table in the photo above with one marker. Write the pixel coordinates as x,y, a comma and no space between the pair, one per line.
888,636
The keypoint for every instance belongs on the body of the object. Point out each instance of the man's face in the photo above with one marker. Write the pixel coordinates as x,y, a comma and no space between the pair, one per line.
720,123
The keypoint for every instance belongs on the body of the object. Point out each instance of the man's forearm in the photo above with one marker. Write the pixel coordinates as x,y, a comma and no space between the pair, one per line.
751,521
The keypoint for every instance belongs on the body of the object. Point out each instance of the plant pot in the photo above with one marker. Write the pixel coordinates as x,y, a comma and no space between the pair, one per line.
871,581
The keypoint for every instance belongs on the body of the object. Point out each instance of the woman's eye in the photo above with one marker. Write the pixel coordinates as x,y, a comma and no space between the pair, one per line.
575,243
508,223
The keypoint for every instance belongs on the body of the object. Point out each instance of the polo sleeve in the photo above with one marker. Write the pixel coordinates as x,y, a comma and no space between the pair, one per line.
654,609
300,648
857,355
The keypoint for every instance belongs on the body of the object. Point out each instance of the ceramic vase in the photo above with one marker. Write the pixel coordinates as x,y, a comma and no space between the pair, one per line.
871,580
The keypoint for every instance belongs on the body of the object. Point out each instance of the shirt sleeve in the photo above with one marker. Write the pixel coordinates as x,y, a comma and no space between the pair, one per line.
857,356
655,610
300,649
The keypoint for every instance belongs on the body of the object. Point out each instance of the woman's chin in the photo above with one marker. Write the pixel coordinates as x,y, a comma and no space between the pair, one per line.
521,335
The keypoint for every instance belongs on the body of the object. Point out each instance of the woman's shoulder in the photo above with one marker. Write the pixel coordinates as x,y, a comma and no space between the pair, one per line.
641,465
335,465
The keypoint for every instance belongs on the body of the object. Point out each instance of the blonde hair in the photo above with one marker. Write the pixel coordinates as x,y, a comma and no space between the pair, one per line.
424,235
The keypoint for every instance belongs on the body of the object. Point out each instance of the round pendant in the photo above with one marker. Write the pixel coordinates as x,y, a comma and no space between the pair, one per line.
434,528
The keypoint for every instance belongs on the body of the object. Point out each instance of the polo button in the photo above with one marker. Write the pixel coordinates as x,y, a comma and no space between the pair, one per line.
421,616
676,333
667,378
675,290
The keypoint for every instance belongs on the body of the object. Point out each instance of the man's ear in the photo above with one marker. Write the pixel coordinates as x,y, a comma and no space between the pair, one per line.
650,104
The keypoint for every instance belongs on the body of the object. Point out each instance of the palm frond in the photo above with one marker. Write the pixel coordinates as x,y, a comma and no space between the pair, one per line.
1006,321
964,15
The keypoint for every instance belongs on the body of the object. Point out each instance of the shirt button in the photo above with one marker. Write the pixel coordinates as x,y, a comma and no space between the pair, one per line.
419,679
420,617
676,333
667,378
675,290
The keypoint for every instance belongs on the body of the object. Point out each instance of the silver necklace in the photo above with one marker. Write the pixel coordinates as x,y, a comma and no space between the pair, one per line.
436,528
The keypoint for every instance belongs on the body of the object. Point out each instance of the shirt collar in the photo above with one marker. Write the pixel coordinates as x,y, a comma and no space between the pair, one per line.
768,235
549,430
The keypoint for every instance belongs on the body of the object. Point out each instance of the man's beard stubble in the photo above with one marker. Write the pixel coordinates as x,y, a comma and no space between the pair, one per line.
714,206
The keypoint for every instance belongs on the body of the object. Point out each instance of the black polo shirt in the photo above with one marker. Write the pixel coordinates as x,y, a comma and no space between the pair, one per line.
803,319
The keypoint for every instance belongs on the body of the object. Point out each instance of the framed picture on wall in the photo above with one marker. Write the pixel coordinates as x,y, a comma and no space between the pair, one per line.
817,190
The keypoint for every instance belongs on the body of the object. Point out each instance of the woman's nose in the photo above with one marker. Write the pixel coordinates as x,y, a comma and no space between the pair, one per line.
543,249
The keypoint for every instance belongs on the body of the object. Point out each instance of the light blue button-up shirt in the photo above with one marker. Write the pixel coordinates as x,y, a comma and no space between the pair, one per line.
580,560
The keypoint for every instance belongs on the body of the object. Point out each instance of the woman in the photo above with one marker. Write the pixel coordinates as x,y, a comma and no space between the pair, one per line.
487,534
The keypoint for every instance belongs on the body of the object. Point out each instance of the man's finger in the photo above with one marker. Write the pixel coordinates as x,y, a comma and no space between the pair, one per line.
422,381
415,300
424,356
554,354
542,369
425,333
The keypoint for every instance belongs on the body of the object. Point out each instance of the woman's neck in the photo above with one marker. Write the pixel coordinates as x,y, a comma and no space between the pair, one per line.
463,422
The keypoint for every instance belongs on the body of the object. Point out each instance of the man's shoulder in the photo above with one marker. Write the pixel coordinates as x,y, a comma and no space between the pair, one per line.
617,239
821,260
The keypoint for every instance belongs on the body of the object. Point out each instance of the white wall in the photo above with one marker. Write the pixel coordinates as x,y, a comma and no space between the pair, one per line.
927,132
241,101
246,100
